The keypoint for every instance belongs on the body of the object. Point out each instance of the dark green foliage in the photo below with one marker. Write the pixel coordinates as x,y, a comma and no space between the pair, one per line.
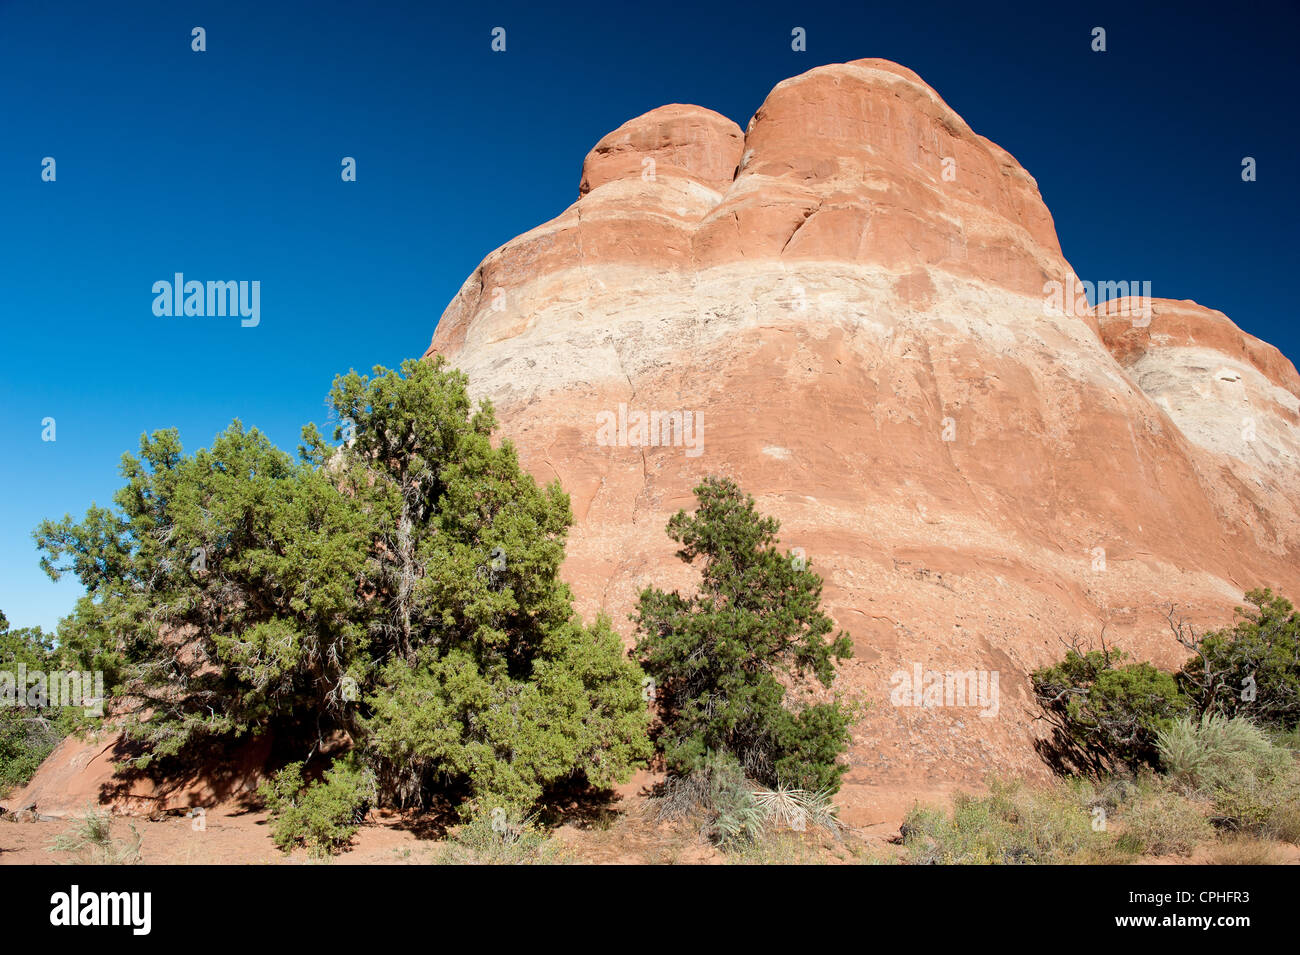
1106,713
402,589
1251,669
722,659
228,580
29,646
484,676
322,816
29,729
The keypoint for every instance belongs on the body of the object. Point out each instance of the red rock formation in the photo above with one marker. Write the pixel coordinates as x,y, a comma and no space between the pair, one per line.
860,317
1226,390
82,773
852,299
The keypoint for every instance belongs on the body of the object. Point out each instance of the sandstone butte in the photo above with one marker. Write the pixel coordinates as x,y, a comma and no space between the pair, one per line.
977,471
834,307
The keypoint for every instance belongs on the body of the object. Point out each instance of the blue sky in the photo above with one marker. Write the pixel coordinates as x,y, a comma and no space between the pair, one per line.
225,165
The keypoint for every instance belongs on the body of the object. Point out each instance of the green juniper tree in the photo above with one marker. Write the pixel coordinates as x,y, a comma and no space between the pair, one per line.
484,676
401,589
1251,669
724,660
228,581
1106,713
26,734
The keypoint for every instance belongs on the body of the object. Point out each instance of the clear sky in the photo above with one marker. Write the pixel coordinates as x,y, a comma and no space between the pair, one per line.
225,164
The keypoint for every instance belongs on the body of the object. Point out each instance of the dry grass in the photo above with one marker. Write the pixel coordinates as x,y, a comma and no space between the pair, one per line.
91,842
1161,821
1243,850
485,840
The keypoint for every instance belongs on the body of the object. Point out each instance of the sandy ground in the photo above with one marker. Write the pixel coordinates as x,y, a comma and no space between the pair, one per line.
623,832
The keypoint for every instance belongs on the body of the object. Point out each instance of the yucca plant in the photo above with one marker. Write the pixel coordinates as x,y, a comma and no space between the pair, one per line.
798,809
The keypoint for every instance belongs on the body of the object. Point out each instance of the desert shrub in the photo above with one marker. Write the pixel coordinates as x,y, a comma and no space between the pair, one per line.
1283,822
501,837
1010,825
1109,793
1259,802
1287,739
91,842
724,658
776,848
26,738
1251,669
1163,821
734,812
1250,780
1206,754
1106,714
1242,849
717,791
799,809
321,816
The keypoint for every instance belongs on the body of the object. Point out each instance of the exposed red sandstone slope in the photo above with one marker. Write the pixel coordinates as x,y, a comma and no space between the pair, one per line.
852,295
80,774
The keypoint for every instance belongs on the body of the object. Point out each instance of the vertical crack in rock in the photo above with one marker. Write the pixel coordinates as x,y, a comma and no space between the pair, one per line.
803,222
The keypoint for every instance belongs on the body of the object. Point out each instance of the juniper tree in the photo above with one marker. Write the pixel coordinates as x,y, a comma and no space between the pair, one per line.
726,659
34,715
227,580
1251,669
402,588
26,733
1106,712
485,677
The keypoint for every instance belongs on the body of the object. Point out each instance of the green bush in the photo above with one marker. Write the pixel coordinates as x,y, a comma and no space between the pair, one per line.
501,837
1162,821
1107,714
1207,754
27,736
1010,825
1251,781
29,732
723,658
1251,669
322,816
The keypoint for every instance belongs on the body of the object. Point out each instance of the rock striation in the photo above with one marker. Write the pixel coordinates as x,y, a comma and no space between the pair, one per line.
849,303
857,308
